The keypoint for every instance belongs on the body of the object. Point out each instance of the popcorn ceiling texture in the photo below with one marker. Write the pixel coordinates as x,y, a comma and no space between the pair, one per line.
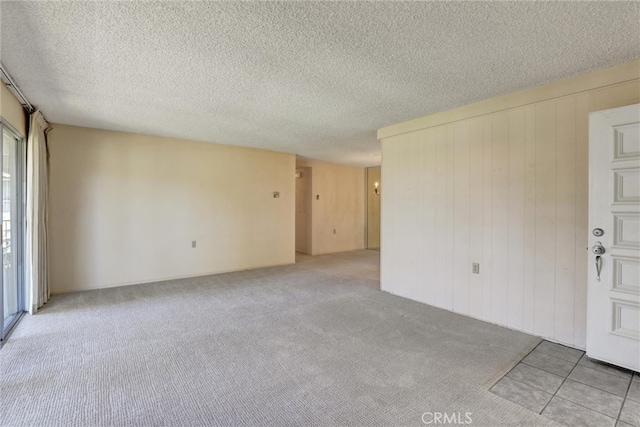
312,78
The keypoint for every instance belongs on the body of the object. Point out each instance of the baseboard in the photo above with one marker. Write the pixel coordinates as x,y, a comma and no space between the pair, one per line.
165,279
489,321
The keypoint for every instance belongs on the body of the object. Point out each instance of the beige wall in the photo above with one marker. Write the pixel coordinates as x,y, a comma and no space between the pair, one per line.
340,207
303,210
502,183
373,208
11,110
126,207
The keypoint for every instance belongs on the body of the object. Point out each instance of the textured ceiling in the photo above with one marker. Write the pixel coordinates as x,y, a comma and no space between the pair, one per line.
311,78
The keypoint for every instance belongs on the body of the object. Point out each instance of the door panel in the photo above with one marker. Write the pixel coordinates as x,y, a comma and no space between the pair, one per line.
613,312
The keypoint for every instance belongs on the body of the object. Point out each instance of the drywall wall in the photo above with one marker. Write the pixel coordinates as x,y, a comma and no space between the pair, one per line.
303,210
338,203
125,208
11,110
373,208
504,185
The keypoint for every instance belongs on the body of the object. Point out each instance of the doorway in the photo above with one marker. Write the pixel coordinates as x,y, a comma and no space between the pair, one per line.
303,210
374,194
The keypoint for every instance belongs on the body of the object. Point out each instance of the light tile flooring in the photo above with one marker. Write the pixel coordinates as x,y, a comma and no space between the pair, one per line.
563,384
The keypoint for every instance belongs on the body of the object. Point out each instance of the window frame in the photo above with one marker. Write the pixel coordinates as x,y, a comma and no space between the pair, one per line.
20,167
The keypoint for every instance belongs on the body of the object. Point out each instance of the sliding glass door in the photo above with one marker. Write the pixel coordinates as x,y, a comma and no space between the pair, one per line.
12,168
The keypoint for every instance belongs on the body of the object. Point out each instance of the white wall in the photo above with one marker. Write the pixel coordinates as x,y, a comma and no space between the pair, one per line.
341,207
126,207
502,183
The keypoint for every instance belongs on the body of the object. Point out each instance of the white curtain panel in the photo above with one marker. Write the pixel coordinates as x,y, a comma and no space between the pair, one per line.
37,257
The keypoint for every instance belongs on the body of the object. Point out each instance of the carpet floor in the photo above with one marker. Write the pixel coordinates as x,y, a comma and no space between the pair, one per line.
315,343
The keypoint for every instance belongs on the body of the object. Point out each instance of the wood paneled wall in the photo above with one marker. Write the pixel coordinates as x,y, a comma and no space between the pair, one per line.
507,190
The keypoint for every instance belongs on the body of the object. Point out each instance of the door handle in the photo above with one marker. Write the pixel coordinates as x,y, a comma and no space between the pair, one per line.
598,249
598,267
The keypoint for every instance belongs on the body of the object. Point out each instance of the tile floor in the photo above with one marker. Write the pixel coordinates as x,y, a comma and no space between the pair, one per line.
563,384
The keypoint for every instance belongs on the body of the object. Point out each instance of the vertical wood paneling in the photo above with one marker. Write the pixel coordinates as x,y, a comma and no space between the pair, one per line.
410,190
476,147
461,264
487,218
507,190
440,139
408,217
448,297
420,262
393,150
529,218
388,175
416,207
515,301
428,213
544,292
500,219
581,221
565,219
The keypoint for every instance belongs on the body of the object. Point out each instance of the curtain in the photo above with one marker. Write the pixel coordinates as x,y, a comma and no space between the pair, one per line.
37,258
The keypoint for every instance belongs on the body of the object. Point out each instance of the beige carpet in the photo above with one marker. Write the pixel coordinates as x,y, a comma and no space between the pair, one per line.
314,343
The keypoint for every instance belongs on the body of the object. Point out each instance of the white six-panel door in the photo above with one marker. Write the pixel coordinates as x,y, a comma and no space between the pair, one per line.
613,312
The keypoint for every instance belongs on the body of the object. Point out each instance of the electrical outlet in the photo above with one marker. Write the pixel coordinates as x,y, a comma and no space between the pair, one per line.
475,268
193,243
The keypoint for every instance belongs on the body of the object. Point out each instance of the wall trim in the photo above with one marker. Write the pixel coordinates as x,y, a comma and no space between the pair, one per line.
617,74
169,278
553,340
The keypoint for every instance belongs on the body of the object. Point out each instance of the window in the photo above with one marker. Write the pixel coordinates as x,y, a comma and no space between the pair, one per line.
13,184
